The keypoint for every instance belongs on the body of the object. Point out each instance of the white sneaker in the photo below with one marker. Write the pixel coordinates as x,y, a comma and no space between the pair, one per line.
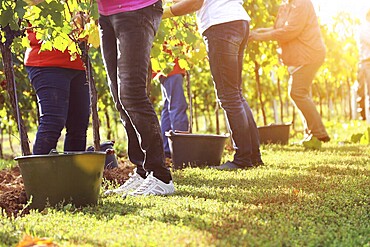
153,186
134,181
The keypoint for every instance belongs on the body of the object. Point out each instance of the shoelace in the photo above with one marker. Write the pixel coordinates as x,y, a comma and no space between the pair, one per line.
132,178
147,183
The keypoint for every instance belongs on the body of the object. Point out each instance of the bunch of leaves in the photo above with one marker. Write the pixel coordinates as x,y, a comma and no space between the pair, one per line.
177,38
62,25
11,24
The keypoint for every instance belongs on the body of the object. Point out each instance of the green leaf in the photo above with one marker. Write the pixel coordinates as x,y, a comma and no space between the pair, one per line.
365,139
20,8
184,64
60,43
355,138
13,25
6,16
156,51
155,65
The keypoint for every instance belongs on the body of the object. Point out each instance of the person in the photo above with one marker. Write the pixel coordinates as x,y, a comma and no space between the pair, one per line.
224,25
173,114
364,65
298,33
127,29
62,95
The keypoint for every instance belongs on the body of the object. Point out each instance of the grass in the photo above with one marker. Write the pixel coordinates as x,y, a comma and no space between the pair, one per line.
300,198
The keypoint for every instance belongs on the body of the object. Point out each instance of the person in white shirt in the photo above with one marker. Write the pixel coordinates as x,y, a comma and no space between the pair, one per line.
224,25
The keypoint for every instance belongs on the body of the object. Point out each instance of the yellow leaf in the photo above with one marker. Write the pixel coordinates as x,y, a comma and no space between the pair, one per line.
155,65
93,33
94,39
184,64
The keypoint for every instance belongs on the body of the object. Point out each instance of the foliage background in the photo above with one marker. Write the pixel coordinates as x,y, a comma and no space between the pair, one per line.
265,78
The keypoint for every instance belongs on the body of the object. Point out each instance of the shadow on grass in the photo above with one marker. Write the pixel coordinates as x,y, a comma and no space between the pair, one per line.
107,208
271,187
8,239
224,203
349,148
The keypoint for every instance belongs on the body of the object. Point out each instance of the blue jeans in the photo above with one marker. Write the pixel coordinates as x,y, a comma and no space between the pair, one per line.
126,42
225,46
64,101
173,116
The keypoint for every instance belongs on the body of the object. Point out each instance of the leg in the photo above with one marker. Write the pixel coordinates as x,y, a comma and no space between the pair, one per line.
52,91
224,56
361,90
255,138
367,90
135,32
109,52
300,94
174,116
253,130
78,113
165,122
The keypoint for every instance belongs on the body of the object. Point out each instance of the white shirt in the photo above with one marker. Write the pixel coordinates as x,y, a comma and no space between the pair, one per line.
215,12
365,41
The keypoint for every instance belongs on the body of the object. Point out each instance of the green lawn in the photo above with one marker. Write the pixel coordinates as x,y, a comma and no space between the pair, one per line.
299,198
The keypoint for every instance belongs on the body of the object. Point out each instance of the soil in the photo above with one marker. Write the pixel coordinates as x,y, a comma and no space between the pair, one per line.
13,197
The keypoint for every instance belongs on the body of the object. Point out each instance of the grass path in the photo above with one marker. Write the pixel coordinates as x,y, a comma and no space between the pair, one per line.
299,198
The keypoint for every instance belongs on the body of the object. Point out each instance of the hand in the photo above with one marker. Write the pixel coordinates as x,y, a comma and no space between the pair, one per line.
252,36
33,2
171,1
167,13
263,29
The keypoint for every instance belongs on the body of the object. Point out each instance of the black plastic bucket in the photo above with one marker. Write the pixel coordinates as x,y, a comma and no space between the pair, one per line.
62,178
195,150
274,134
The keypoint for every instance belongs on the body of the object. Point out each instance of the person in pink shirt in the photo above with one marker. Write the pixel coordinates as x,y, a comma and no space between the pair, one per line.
127,30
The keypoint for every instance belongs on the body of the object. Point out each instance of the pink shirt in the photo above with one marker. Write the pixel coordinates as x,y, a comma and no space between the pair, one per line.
110,7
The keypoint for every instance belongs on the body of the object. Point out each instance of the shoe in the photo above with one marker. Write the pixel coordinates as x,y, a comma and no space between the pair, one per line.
312,143
324,139
134,181
153,186
229,166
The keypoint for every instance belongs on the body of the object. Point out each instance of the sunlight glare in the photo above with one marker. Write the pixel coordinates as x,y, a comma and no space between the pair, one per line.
326,9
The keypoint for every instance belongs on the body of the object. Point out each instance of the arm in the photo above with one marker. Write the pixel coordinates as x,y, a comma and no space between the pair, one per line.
263,29
33,2
295,23
365,35
259,35
182,7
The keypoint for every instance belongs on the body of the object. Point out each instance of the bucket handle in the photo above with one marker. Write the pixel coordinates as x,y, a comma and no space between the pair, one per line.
55,152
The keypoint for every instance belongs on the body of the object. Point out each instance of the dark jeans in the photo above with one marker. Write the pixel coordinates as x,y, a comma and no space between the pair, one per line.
126,42
225,45
300,92
63,99
173,115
